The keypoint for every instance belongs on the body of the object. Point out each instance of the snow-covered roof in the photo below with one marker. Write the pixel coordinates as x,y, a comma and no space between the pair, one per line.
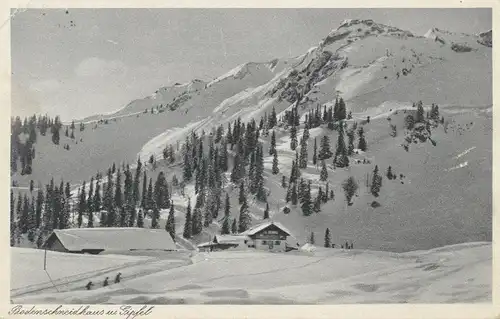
230,239
77,239
260,227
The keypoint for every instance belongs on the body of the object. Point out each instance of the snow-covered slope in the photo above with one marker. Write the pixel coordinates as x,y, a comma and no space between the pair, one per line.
378,70
453,274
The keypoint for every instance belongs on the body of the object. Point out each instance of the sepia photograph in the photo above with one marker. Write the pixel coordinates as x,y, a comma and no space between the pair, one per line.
251,156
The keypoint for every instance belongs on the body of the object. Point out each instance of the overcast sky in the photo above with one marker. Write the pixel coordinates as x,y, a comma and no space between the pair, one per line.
95,61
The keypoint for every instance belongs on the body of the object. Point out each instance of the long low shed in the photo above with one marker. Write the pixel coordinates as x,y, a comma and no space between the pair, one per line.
97,240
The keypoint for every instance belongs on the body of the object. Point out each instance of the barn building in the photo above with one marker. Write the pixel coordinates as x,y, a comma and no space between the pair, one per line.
97,240
269,236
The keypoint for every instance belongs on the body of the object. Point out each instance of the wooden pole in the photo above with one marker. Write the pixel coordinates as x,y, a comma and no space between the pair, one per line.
45,259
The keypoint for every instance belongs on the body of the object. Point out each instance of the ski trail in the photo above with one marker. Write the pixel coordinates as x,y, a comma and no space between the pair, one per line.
464,152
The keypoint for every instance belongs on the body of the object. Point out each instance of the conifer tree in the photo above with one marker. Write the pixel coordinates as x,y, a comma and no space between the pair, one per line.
118,190
306,200
318,201
226,228
324,151
293,138
376,182
315,156
234,227
227,207
328,241
350,187
12,219
266,212
272,147
170,225
223,163
324,172
389,173
311,239
283,181
242,195
96,202
123,216
327,193
275,169
294,195
245,220
137,182
341,159
259,174
108,193
188,225
144,190
420,113
303,154
155,218
149,197
361,141
350,143
90,197
38,208
81,205
197,221
140,219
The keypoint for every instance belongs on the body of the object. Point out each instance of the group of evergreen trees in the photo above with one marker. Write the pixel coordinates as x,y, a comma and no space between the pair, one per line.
24,136
38,216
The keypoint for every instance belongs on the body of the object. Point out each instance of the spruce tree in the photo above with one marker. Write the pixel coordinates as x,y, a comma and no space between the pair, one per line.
259,174
350,187
188,225
303,154
123,217
155,218
266,212
242,195
283,181
315,156
361,141
328,241
294,195
170,224
376,182
420,113
306,203
245,220
12,219
272,147
118,190
350,143
318,201
324,151
38,208
140,219
234,227
96,202
197,221
149,197
311,239
389,173
275,169
226,228
227,207
324,172
341,159
144,190
81,205
293,138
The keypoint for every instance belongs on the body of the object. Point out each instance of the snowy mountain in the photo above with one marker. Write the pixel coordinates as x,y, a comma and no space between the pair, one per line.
379,71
